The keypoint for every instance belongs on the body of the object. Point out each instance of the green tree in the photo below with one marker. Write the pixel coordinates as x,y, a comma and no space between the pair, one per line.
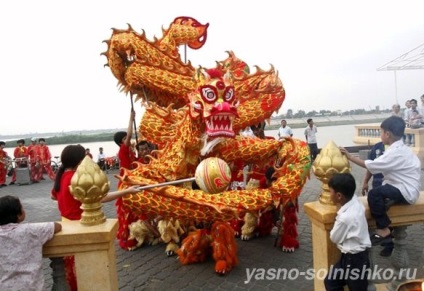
289,113
299,114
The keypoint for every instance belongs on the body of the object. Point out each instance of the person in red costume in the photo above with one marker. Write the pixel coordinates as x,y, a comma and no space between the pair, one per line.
45,160
262,176
237,183
34,156
144,149
21,158
257,171
126,159
123,140
268,219
4,162
69,207
259,179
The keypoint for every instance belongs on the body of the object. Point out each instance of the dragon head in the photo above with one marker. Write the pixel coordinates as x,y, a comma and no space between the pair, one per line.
189,30
215,102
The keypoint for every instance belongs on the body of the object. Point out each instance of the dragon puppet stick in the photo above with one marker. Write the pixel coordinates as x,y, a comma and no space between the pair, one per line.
166,183
280,227
135,126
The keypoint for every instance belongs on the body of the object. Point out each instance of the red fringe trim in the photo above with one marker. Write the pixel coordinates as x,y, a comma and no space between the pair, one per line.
70,273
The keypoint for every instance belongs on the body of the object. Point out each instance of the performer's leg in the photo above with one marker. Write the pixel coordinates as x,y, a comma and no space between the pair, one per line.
13,177
49,171
34,172
3,173
40,172
124,219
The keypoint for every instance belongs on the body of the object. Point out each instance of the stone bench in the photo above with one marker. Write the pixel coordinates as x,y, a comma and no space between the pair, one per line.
325,252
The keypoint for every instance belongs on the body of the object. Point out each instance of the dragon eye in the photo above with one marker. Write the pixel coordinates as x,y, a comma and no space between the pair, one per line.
229,94
209,94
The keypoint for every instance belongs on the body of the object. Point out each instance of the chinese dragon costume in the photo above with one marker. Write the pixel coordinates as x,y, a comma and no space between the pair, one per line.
195,113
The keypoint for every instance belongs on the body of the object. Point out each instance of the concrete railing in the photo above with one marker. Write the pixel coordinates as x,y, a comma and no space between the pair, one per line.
94,251
369,134
325,252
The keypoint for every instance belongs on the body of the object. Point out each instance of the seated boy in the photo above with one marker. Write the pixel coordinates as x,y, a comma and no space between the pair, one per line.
401,169
350,234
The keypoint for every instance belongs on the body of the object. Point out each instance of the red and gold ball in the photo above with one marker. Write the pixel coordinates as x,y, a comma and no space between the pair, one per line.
213,175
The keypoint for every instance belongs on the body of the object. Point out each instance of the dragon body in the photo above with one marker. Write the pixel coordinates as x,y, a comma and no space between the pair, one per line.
192,114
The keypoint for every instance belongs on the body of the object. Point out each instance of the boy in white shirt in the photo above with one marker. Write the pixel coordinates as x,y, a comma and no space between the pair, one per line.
350,234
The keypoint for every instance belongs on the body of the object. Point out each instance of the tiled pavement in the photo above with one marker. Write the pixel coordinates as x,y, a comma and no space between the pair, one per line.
148,268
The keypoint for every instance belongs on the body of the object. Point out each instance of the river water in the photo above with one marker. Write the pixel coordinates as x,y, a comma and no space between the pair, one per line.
341,135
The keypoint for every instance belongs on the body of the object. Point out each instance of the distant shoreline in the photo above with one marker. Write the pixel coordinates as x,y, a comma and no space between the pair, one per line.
322,121
328,123
107,134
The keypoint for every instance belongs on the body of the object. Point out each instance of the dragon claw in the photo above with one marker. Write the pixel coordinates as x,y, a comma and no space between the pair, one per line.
246,237
221,267
287,250
130,56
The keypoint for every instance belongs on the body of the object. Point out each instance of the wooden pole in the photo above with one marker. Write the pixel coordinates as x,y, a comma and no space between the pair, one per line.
135,126
166,183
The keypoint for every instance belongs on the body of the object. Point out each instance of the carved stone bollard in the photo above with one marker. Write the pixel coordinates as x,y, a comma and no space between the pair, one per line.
399,258
90,240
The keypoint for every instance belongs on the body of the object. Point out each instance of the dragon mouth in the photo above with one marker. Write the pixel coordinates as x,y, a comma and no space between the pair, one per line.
220,121
220,125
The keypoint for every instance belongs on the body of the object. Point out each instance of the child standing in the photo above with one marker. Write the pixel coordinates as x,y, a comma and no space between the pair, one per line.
21,247
123,140
350,234
126,158
401,169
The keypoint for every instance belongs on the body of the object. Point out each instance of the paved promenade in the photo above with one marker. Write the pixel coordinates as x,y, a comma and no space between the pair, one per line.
148,268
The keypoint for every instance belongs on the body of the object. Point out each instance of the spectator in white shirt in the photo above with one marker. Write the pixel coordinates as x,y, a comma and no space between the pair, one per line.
284,130
101,158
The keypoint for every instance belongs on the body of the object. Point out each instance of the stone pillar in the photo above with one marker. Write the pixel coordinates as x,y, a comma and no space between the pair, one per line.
94,251
325,252
418,146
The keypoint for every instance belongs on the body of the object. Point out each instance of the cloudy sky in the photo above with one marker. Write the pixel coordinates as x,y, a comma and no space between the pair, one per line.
327,54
